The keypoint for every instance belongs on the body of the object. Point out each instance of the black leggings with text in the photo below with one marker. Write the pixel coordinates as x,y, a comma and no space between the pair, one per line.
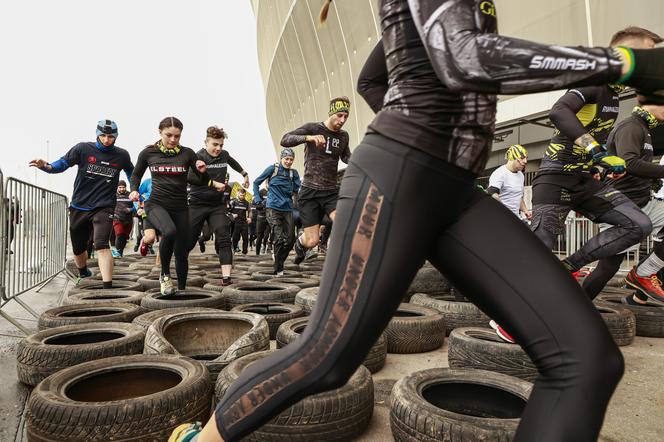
485,252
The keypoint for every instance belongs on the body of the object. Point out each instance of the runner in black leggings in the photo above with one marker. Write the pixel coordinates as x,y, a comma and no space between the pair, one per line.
167,211
434,132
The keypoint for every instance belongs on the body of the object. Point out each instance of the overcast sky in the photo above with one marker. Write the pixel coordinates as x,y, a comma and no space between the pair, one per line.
67,64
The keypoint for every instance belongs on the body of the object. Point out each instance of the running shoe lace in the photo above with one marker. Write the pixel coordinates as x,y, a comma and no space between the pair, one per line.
656,281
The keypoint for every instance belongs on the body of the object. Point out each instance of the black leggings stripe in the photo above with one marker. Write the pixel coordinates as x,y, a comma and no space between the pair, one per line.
485,252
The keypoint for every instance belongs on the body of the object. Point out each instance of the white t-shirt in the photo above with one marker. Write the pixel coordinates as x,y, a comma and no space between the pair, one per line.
660,193
510,186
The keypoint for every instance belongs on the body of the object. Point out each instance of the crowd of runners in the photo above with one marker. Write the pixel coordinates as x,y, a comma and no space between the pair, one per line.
432,81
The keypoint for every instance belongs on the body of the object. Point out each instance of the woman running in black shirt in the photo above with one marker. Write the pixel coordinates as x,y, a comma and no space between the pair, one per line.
445,63
167,210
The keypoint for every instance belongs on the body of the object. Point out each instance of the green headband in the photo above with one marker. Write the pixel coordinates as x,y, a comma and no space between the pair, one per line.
339,106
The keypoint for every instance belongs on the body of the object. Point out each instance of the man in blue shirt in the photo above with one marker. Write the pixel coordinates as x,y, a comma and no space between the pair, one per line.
94,198
283,184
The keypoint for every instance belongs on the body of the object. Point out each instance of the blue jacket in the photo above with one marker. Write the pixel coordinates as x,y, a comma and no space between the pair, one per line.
281,188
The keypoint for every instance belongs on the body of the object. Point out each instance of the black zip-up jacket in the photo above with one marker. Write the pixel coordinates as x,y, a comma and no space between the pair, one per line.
123,208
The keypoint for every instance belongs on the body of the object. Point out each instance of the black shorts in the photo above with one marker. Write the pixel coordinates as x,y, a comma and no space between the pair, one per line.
314,204
555,194
97,221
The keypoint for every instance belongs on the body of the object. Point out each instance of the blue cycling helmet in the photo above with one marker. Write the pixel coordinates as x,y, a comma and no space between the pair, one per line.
107,127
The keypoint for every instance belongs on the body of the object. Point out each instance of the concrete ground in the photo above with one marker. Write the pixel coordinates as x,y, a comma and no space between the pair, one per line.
636,412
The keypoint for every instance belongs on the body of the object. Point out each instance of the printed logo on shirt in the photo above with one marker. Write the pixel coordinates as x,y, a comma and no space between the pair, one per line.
488,8
168,170
647,146
217,166
95,169
562,63
92,160
614,109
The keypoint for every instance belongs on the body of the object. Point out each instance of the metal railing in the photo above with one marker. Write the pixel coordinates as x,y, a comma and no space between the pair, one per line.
34,240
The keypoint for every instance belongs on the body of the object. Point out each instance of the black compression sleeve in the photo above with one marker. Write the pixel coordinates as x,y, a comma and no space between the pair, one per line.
493,190
469,56
563,114
372,82
139,170
235,165
629,139
296,137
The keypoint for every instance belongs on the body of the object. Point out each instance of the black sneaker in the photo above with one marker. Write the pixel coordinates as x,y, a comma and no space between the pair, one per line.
201,245
300,253
310,255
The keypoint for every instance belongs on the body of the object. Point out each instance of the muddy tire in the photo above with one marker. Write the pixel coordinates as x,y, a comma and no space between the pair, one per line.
649,318
482,349
183,298
415,329
456,314
457,406
306,298
116,277
214,338
335,415
291,330
88,285
215,278
104,296
88,313
158,393
251,292
620,321
301,282
146,319
152,281
275,313
46,352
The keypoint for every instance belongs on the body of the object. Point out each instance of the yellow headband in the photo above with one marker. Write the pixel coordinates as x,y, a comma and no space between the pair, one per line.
339,106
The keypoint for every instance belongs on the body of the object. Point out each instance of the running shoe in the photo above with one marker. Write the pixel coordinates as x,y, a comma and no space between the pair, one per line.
150,250
144,249
115,253
186,432
226,281
300,253
310,255
166,284
650,286
502,334
84,274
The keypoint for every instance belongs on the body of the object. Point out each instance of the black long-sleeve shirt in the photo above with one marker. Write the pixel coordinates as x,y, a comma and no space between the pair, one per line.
372,81
631,140
202,194
320,164
169,175
440,96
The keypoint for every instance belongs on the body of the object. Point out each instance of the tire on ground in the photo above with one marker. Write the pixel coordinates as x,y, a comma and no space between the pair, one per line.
336,415
152,281
302,282
146,319
251,292
481,348
76,314
268,273
275,313
457,406
49,351
456,314
214,338
429,280
306,298
84,403
649,317
415,329
192,297
290,330
104,296
620,321
88,285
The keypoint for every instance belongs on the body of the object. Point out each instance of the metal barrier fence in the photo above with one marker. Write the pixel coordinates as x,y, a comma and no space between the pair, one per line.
34,240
